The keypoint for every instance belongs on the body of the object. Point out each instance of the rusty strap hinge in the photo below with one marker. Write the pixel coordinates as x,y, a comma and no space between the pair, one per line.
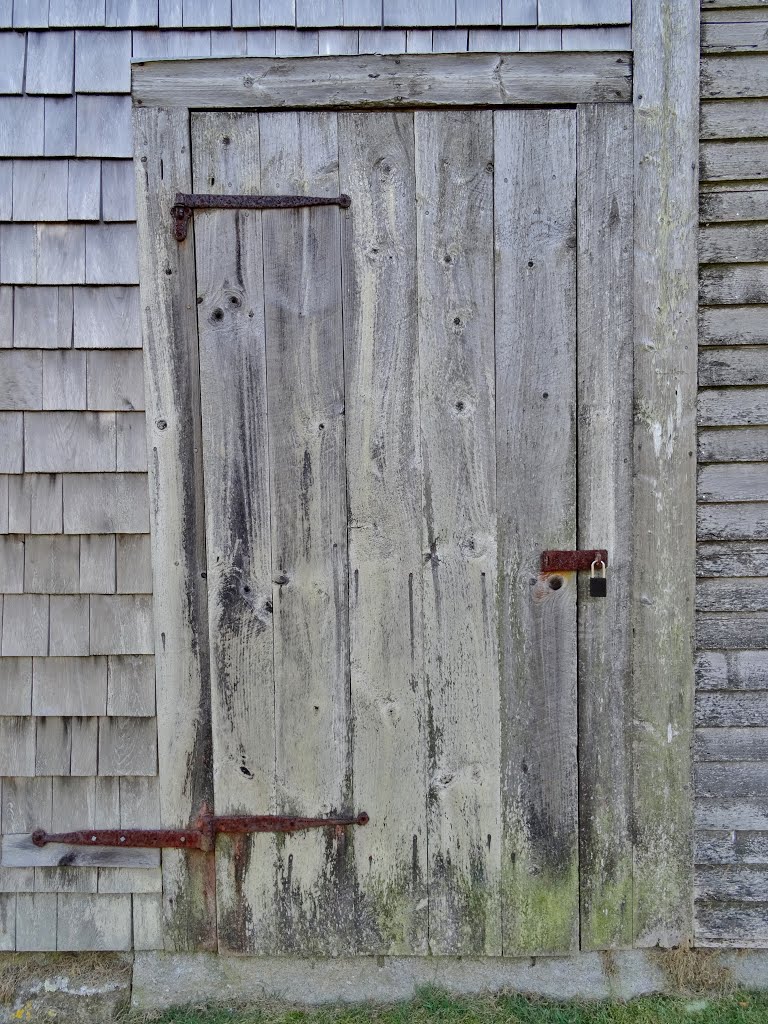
185,203
201,837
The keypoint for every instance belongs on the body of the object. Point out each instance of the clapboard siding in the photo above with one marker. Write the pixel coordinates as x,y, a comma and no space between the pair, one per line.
731,714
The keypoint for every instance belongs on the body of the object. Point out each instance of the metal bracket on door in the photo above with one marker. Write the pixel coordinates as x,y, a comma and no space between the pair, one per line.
185,203
572,561
201,837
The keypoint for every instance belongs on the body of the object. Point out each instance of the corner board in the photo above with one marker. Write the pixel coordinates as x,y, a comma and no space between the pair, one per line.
403,80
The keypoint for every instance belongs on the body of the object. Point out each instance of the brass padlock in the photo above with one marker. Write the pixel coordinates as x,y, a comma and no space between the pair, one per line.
598,584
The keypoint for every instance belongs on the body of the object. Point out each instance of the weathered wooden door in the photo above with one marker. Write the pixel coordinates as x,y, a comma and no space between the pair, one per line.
403,404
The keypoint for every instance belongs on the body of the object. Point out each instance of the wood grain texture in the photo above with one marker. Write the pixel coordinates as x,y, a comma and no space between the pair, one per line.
733,407
731,847
304,350
733,206
536,397
733,366
605,212
178,528
457,405
733,119
731,77
731,670
733,482
236,452
666,200
733,161
384,80
384,484
733,521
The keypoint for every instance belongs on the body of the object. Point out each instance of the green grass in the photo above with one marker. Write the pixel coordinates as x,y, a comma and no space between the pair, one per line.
434,1007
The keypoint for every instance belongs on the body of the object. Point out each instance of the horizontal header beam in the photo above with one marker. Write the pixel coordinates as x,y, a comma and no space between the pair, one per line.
404,80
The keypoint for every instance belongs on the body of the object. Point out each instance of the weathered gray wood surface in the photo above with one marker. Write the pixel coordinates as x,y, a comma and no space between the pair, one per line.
304,346
384,484
604,398
536,398
233,384
666,39
734,77
178,532
382,80
457,406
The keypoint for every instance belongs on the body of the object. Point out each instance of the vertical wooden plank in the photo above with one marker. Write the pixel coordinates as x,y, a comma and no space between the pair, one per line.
168,301
384,483
313,909
666,37
535,212
233,385
454,242
605,210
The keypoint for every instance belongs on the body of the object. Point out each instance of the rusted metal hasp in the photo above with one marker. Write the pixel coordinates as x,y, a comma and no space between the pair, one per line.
572,561
201,837
185,203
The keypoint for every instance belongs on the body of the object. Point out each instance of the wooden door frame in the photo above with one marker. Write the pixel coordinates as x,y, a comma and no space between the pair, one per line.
665,297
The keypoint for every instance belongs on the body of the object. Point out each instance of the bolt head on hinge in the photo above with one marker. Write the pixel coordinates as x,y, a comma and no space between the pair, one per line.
181,215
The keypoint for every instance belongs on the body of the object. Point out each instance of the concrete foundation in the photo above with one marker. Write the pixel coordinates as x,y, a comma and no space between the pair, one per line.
92,988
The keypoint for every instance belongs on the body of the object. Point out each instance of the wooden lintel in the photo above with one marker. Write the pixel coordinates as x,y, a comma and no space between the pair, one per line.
375,80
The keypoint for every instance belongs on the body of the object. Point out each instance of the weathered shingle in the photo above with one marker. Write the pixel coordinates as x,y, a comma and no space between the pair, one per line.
107,318
519,12
25,624
21,380
12,49
169,14
111,254
134,564
609,38
118,190
121,624
115,380
206,13
362,13
84,190
338,40
43,318
229,43
53,751
69,632
21,125
6,189
131,687
61,258
6,316
245,13
156,45
60,126
97,564
50,63
17,747
69,686
34,503
30,13
261,43
52,564
103,61
449,40
533,40
64,379
40,190
290,43
12,565
104,126
18,252
76,13
382,41
127,746
427,12
15,686
127,13
11,442
69,442
585,12
478,12
131,442
319,13
277,13
106,503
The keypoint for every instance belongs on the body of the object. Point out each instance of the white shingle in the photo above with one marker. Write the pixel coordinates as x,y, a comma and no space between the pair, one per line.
157,45
494,40
6,189
50,62
39,190
84,190
536,40
12,46
417,40
519,12
362,13
290,43
22,126
103,61
382,41
245,13
478,12
427,12
449,40
229,43
6,316
18,253
277,13
337,41
169,14
261,43
104,126
319,13
585,12
611,38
